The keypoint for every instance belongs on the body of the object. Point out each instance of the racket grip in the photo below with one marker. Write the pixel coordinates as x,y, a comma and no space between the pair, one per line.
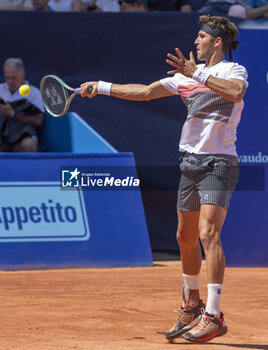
89,90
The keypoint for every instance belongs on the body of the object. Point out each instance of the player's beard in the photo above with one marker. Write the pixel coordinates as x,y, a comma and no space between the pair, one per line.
204,54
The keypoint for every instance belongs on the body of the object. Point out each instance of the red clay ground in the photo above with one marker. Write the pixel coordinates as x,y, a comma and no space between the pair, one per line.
116,309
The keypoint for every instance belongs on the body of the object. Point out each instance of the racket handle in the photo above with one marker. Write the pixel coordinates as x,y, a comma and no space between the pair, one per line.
89,90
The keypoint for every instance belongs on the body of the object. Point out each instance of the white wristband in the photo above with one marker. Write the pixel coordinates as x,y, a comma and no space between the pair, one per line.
104,88
201,76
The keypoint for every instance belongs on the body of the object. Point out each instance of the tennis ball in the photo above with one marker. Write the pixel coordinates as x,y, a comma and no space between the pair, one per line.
24,90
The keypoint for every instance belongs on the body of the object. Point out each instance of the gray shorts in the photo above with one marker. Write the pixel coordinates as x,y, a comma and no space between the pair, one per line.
207,179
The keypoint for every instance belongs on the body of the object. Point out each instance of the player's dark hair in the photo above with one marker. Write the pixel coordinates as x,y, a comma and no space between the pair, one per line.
221,27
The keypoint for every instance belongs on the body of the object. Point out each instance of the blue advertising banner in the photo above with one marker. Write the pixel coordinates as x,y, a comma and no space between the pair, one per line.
53,215
252,143
48,221
245,232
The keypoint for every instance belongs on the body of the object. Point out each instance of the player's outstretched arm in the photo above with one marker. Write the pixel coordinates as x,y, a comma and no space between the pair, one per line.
133,92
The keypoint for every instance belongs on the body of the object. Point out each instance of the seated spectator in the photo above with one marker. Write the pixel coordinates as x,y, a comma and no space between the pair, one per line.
20,117
65,5
237,10
93,5
15,4
41,5
107,6
133,5
215,7
256,9
169,5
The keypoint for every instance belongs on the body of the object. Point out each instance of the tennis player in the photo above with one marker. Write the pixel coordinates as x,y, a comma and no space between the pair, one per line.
213,94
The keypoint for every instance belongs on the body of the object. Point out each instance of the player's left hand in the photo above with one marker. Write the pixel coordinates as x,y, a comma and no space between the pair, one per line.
182,65
7,110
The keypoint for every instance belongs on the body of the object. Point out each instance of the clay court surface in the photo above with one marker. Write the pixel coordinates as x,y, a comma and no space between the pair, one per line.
127,308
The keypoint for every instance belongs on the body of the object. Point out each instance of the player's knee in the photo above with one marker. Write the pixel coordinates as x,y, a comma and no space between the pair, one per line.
209,236
186,240
28,144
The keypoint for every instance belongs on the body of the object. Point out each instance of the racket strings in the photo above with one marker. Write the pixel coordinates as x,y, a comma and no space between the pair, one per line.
54,96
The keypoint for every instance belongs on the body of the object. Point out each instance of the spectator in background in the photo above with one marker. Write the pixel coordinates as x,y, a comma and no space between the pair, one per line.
256,9
92,5
65,5
215,7
108,6
170,5
41,5
133,5
15,4
237,10
20,117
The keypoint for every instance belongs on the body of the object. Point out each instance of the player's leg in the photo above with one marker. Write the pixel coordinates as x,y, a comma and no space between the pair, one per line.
191,257
187,235
187,238
217,182
28,144
211,324
210,224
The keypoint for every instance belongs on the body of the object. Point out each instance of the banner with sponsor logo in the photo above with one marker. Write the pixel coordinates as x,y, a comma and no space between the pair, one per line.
245,232
52,215
100,178
70,210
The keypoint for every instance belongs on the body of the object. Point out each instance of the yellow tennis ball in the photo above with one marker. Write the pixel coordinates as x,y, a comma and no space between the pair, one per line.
24,90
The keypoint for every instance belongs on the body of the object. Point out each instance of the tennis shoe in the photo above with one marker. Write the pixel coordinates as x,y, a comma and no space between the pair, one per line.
207,328
188,318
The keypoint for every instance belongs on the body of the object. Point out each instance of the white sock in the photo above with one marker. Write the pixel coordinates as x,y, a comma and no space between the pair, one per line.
214,299
190,282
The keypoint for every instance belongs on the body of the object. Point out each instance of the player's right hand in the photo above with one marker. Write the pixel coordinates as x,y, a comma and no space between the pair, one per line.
84,86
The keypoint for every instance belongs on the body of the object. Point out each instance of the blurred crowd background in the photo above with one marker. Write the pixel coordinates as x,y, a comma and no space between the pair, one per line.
247,9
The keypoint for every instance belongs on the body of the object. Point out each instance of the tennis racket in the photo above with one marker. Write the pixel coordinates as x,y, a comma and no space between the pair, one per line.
55,95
